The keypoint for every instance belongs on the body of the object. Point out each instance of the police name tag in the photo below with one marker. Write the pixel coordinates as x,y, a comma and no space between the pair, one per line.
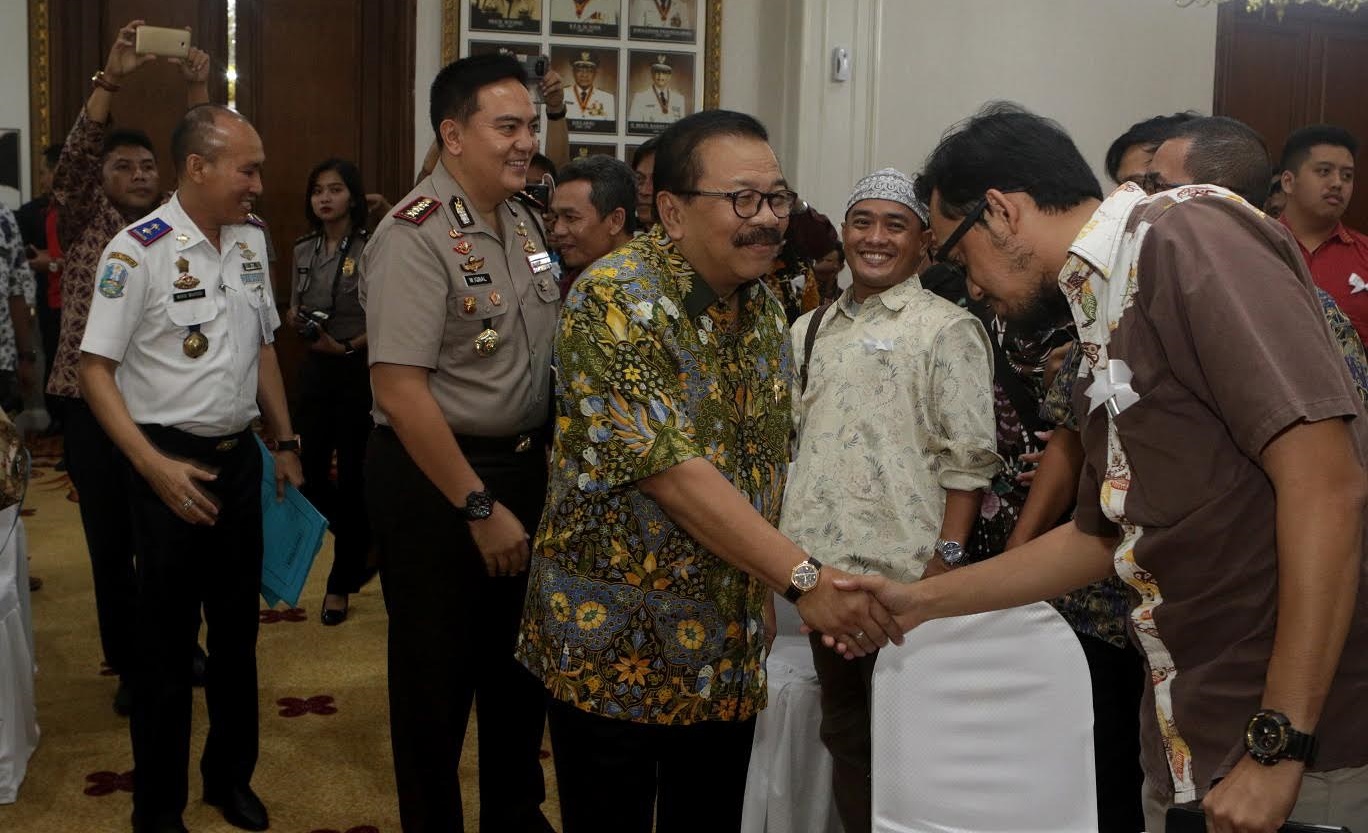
188,296
252,266
540,262
478,280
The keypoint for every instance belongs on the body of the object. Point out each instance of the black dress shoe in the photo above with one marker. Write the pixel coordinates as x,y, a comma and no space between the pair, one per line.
333,616
198,663
123,698
240,807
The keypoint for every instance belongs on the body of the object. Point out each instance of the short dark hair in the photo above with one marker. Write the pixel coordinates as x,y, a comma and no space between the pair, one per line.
51,154
455,91
194,133
677,165
1006,147
1228,153
351,177
542,161
1149,134
643,150
612,185
1297,149
126,137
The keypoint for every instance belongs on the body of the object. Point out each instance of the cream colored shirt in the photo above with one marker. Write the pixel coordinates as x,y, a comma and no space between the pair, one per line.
898,408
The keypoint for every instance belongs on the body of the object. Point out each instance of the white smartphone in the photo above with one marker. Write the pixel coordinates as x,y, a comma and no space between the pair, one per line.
157,40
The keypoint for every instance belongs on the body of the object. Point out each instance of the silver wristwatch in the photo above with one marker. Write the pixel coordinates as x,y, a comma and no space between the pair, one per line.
951,552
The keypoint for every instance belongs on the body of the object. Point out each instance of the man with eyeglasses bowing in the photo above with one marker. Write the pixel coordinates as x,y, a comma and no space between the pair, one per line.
650,602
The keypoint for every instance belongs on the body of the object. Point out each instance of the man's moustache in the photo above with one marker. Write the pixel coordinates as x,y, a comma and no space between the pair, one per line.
767,236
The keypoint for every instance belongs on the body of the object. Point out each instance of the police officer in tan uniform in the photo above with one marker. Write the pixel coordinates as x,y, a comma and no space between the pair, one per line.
461,309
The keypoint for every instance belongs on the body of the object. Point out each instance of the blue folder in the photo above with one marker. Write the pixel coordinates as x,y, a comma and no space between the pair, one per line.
293,534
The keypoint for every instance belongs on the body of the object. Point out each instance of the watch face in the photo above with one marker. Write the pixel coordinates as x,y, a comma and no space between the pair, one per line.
1266,736
805,576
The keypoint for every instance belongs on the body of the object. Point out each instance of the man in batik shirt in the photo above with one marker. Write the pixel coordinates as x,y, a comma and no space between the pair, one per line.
656,558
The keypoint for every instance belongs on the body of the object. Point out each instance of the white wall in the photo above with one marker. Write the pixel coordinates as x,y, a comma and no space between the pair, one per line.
1097,66
14,86
427,61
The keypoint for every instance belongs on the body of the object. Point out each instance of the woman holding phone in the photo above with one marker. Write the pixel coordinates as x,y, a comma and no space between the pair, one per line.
334,380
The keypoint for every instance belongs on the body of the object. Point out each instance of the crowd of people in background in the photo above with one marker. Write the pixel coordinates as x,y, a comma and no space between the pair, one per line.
590,420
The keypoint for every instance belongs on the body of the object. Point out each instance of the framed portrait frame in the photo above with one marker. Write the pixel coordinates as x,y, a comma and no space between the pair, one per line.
646,63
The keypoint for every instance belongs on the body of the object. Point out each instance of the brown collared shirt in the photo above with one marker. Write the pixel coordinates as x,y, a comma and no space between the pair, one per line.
1211,309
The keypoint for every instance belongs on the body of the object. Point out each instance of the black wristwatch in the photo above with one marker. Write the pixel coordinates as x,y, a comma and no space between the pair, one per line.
550,116
803,578
291,444
479,505
1269,738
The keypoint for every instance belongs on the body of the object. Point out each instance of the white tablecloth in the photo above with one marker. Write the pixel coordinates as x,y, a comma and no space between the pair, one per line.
18,717
788,788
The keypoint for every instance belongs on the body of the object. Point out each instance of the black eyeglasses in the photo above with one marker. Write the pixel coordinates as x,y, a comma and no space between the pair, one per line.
941,253
1154,185
746,203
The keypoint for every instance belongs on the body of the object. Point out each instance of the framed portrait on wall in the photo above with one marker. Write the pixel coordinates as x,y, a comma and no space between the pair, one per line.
667,20
630,68
506,15
591,94
661,84
586,18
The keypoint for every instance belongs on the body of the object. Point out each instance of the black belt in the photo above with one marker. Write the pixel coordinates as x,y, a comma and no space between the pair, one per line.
177,441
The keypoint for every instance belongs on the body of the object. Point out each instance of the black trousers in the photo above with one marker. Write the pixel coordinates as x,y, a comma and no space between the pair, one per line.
50,327
451,634
97,472
1118,681
182,566
334,415
618,775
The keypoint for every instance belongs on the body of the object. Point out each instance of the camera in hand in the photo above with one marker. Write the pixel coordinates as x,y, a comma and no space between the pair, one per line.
309,323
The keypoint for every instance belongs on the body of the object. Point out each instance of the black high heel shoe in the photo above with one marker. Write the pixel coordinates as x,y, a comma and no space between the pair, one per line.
335,617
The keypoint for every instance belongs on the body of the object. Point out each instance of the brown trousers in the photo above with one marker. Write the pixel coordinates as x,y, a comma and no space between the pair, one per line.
847,687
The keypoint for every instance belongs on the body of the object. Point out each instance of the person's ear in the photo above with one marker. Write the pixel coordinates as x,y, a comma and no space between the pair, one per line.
1004,208
617,220
670,211
451,132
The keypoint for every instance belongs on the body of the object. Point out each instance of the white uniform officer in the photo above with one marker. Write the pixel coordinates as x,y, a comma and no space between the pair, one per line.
176,362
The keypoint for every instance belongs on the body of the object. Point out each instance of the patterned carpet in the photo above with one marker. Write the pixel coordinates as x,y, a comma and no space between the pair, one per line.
325,758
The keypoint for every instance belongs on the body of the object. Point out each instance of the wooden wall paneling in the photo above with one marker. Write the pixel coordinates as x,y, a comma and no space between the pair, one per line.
386,102
1280,75
76,51
154,100
1262,75
1344,70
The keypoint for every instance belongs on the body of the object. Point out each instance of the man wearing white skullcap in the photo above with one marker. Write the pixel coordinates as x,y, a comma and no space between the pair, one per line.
893,404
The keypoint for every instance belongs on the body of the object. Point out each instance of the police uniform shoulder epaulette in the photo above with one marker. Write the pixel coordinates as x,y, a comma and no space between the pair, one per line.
306,237
417,211
253,219
529,200
149,232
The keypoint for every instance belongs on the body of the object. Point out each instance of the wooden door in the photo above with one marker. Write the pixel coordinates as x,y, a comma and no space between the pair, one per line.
317,78
1281,75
